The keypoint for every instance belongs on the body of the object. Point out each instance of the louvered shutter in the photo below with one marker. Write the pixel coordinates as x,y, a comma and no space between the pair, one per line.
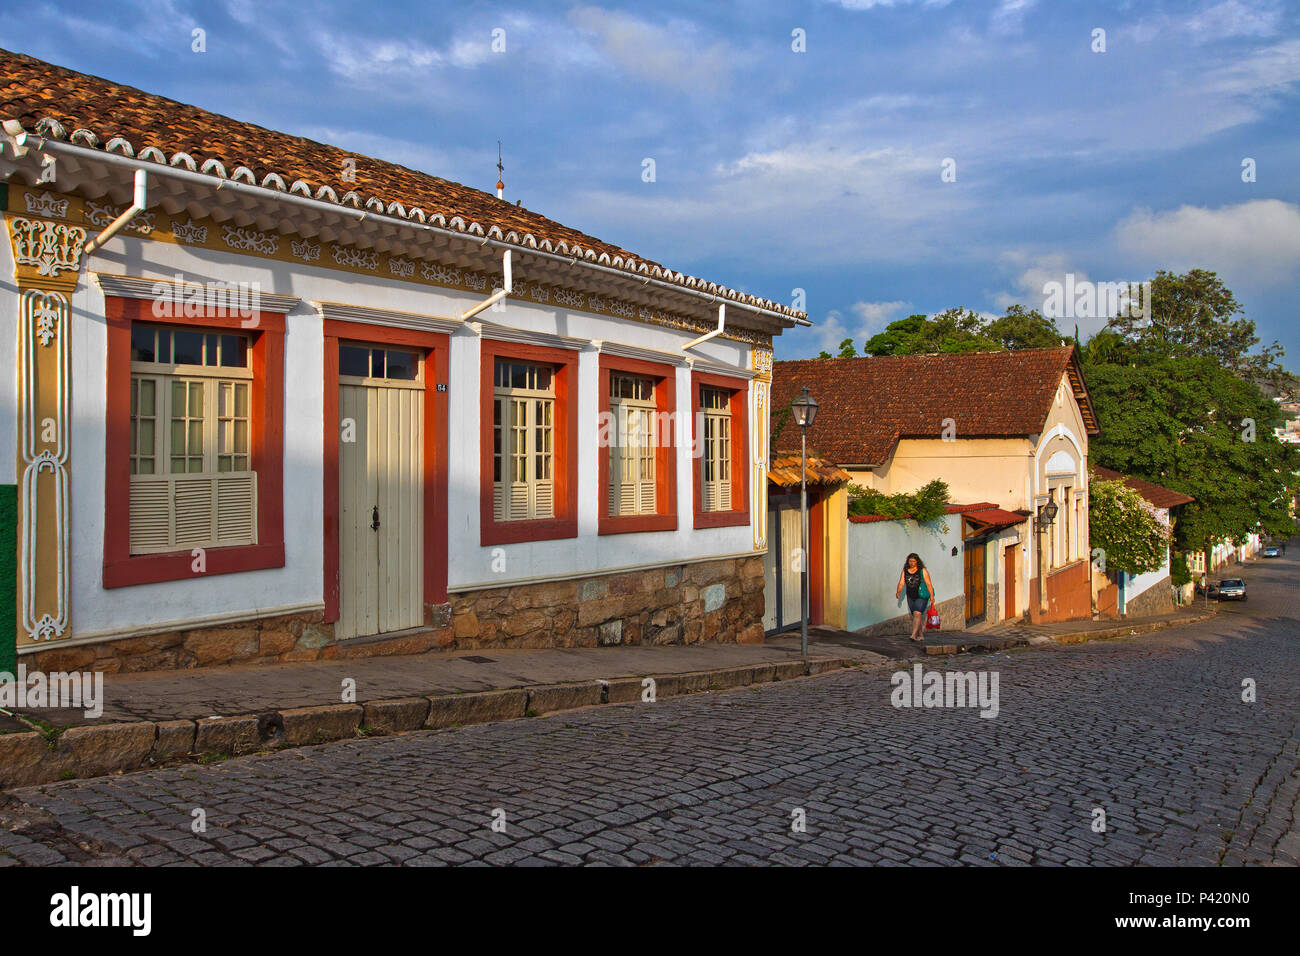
236,509
151,515
544,502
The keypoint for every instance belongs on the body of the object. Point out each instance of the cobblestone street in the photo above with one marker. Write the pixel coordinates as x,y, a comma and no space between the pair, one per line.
1151,729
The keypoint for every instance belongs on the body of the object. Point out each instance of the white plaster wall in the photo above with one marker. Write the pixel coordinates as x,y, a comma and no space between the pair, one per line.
877,550
96,611
1136,584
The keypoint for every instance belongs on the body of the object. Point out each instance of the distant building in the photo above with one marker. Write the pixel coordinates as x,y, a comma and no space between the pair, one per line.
1008,431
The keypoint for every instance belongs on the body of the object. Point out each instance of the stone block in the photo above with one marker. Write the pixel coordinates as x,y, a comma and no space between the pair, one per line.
26,759
98,749
552,697
172,739
396,716
221,645
788,670
715,595
594,589
623,690
446,710
313,725
227,735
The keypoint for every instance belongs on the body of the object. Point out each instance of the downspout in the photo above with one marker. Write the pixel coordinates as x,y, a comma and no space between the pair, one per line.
506,288
136,207
722,324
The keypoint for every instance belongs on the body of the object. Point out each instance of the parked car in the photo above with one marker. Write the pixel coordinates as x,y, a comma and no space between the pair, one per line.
1272,551
1232,589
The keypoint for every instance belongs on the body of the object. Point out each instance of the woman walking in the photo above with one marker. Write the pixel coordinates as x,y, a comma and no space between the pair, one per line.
920,592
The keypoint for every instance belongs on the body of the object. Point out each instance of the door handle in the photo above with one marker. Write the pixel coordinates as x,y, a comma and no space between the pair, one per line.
374,519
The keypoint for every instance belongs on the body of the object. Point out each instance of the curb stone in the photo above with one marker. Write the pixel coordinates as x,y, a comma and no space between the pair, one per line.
28,759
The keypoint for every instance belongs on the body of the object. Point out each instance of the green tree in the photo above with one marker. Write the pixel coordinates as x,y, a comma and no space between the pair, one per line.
1024,329
1196,314
847,350
954,330
1130,535
1192,425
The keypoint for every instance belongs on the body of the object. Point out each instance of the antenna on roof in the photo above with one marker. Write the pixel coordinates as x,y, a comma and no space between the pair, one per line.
501,171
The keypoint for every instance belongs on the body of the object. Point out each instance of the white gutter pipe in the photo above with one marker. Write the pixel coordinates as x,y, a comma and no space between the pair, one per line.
86,154
507,287
136,207
722,324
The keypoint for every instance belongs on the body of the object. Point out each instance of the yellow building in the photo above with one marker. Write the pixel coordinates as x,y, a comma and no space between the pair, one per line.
1008,430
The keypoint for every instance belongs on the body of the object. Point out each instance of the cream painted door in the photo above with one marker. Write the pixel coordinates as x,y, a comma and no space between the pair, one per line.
791,578
381,504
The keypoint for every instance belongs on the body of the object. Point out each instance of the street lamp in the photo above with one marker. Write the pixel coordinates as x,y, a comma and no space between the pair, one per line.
1046,515
805,412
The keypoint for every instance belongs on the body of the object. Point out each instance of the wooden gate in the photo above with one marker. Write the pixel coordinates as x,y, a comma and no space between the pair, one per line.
975,577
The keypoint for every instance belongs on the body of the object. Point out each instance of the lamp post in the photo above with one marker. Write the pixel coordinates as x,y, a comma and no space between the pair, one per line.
805,412
1046,515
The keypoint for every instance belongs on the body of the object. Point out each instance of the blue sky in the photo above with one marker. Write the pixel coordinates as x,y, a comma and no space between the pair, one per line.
775,169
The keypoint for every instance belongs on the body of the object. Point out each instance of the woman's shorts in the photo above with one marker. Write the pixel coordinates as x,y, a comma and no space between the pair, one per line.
915,604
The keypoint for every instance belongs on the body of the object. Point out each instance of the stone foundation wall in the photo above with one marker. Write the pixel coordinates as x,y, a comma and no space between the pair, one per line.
683,604
1157,599
269,640
952,617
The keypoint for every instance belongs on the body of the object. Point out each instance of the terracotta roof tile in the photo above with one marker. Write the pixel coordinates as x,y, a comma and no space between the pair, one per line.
58,102
1158,495
868,404
785,472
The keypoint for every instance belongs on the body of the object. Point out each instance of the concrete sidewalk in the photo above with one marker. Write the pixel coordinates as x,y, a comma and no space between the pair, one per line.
217,712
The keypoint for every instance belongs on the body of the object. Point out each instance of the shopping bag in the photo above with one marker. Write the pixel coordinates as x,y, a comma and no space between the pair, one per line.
932,619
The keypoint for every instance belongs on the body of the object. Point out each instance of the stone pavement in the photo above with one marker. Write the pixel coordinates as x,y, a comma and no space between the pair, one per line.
253,688
1150,729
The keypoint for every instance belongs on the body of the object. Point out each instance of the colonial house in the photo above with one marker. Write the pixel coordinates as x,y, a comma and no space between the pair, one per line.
269,400
1008,431
1152,592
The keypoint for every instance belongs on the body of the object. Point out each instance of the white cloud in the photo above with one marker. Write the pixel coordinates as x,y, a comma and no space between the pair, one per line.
673,55
1009,17
874,316
873,4
1256,241
1213,22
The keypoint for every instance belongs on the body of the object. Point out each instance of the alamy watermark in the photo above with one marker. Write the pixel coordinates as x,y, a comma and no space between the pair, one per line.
946,689
1085,299
185,298
67,691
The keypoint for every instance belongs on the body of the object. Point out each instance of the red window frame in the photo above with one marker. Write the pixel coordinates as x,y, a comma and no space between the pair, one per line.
436,348
665,395
266,403
565,522
739,407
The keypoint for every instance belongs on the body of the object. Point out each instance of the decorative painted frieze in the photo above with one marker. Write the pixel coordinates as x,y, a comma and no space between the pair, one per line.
101,214
190,233
250,240
48,247
305,249
357,258
47,205
44,247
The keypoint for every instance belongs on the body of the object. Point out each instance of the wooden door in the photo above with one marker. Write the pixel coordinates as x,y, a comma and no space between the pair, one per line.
974,559
381,505
1009,579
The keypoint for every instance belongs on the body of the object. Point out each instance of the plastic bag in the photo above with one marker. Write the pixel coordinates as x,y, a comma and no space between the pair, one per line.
932,619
